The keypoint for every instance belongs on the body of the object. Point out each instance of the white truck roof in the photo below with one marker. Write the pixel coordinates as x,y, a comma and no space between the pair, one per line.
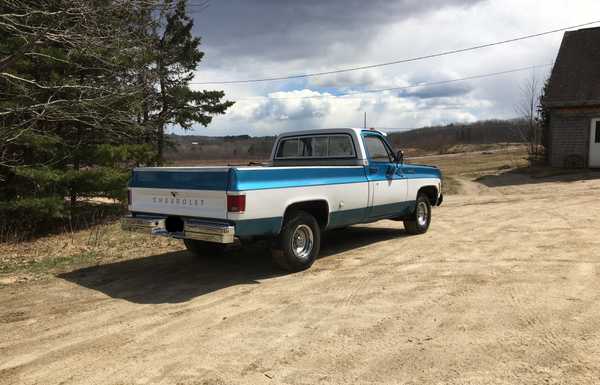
355,131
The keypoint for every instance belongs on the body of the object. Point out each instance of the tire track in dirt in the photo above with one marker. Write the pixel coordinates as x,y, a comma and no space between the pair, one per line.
556,334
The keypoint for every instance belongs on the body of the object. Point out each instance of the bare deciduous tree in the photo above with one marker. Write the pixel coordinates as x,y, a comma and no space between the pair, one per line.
527,109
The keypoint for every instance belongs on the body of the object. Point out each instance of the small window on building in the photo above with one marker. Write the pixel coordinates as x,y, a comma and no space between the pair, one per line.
597,131
318,146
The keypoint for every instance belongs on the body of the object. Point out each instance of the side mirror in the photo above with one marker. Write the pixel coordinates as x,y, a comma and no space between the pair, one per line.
400,157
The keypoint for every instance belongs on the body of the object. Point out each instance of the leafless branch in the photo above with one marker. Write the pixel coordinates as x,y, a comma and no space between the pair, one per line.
527,109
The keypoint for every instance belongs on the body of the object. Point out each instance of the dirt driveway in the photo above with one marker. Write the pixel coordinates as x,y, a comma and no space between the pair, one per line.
503,289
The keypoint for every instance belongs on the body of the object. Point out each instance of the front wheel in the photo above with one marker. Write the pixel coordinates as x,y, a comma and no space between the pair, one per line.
419,221
298,245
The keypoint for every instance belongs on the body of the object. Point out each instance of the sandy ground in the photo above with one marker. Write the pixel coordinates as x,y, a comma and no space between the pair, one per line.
503,289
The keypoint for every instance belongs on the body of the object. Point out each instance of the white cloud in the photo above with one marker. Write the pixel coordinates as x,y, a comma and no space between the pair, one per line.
427,31
307,109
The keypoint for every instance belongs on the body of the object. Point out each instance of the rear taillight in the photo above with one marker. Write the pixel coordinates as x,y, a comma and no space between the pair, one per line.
236,203
128,197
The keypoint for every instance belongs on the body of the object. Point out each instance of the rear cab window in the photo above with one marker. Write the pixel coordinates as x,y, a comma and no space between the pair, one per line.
316,146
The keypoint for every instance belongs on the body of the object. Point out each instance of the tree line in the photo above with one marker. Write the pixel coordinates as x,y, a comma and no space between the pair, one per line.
440,139
417,141
87,89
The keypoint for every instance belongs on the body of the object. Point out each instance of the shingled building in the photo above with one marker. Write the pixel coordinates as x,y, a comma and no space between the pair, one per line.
573,99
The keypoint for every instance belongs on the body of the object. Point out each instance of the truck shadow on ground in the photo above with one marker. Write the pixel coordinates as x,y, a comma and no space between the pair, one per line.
523,176
179,276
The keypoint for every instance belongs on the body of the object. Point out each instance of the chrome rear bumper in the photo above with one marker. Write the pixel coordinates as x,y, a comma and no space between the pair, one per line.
192,229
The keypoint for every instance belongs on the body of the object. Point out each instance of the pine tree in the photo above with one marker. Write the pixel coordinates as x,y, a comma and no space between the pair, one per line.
66,92
177,56
78,100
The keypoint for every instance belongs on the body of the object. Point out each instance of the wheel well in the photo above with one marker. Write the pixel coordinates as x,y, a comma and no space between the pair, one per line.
318,209
431,192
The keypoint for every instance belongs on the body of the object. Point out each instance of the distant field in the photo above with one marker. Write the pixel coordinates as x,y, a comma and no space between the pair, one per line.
470,165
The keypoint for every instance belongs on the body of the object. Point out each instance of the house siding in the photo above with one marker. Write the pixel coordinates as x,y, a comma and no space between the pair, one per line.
570,134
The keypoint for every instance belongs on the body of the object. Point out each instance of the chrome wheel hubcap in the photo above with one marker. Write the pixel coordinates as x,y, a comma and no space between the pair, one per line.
302,241
422,214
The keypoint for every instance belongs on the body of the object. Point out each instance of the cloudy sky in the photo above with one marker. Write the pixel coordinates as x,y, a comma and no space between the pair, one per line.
271,38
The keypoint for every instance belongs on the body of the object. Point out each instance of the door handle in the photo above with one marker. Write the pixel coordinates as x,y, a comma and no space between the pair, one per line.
373,170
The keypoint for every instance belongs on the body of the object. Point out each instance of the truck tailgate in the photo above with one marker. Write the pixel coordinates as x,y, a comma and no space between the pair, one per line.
186,191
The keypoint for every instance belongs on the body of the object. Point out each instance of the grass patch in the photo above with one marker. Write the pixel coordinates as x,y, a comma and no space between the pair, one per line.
478,163
64,252
29,223
472,165
49,265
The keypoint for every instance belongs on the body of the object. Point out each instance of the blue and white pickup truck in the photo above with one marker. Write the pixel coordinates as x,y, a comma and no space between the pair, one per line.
315,181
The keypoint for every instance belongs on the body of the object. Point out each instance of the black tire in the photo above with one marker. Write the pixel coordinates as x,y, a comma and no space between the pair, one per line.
417,223
204,249
303,226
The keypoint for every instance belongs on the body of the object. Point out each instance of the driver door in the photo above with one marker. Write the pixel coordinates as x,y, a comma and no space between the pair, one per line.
387,184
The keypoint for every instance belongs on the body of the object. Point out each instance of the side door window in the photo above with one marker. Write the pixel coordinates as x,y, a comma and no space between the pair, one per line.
377,150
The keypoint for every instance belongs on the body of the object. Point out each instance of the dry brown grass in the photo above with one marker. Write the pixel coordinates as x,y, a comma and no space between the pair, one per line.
477,162
471,165
99,244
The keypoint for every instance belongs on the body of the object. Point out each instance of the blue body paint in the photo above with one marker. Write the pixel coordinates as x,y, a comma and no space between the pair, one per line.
244,179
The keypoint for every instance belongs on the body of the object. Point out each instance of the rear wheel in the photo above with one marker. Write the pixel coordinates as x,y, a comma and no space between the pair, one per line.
419,222
204,249
298,245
